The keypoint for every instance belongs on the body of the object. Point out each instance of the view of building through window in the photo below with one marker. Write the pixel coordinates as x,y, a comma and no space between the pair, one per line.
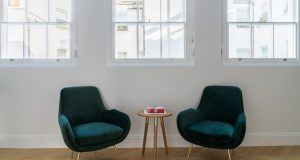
35,29
149,29
262,28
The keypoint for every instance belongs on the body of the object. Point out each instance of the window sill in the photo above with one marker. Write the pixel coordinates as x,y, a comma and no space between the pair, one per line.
262,62
38,63
155,63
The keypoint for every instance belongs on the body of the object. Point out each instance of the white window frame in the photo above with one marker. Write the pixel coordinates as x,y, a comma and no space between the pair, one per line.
71,61
255,61
189,59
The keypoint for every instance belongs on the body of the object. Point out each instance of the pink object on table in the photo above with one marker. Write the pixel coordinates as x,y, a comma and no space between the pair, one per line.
151,109
160,109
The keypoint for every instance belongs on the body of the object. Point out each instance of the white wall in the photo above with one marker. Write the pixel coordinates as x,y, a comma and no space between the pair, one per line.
29,95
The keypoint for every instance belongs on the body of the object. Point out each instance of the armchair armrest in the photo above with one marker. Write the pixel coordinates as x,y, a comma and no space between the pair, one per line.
117,118
239,129
188,117
67,131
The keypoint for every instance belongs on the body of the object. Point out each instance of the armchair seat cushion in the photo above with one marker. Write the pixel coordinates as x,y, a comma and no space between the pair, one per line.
211,131
96,132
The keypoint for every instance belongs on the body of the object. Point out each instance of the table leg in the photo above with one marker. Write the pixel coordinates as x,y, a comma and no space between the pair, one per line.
155,138
164,134
145,134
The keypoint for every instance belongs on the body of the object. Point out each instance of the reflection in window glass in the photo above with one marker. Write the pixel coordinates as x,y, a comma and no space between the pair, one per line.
239,37
152,41
263,41
173,41
272,28
11,41
35,29
158,31
126,41
59,41
284,41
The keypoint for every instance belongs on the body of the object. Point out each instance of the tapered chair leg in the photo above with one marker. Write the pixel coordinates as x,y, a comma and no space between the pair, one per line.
115,149
78,156
232,152
188,156
229,156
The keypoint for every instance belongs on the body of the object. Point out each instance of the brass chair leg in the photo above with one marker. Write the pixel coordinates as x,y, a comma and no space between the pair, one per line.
115,149
233,152
78,156
229,156
191,146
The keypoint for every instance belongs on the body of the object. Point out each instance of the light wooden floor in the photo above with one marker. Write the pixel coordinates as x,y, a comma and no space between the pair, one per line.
244,153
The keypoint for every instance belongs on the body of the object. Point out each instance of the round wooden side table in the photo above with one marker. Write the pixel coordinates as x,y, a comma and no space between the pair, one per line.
156,117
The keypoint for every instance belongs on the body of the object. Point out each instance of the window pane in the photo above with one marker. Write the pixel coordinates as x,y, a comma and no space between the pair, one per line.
14,3
238,11
152,10
11,41
283,10
261,10
263,41
37,11
126,41
285,41
173,10
59,41
127,10
141,41
60,11
152,41
239,41
173,41
13,11
35,41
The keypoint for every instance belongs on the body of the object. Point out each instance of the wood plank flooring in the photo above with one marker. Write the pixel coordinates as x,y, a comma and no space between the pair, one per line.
243,153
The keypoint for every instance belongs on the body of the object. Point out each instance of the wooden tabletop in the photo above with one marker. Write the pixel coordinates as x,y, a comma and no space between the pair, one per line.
155,115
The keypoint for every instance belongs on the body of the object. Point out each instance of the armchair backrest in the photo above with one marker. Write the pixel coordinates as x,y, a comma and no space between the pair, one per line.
81,104
221,103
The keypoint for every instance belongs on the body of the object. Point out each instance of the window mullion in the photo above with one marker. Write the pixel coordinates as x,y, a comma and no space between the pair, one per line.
273,31
168,28
24,46
161,57
25,10
24,30
1,27
252,40
47,30
138,42
47,41
137,29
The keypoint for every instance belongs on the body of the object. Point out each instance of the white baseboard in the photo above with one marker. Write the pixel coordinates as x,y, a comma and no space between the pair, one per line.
31,141
135,141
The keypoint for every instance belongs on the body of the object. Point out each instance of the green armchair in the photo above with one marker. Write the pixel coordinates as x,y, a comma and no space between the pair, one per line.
218,122
86,125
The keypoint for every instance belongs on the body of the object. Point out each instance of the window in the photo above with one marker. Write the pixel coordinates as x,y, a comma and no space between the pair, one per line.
261,31
35,30
144,31
14,3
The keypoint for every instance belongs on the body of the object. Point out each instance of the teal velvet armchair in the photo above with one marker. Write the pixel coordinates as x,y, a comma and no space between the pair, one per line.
86,125
218,122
